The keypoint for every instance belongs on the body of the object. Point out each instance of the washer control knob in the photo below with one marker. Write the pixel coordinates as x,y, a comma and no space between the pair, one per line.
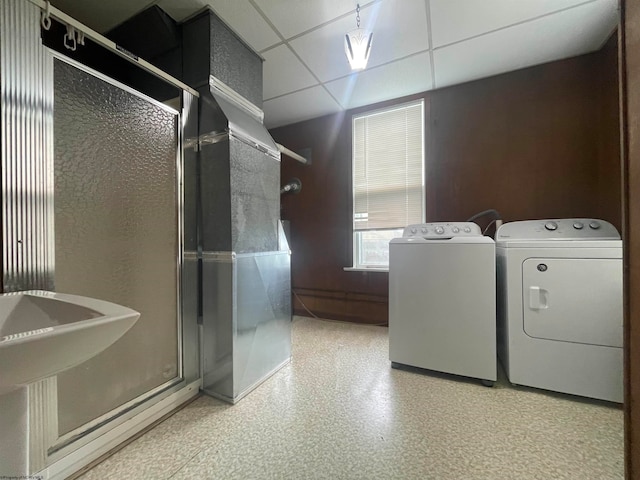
414,230
551,226
455,230
467,229
594,225
424,230
578,225
439,230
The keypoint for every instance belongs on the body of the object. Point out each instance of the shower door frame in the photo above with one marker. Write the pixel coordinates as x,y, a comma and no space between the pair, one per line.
46,448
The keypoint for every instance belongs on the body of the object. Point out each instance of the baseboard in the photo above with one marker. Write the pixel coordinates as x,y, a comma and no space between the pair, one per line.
339,305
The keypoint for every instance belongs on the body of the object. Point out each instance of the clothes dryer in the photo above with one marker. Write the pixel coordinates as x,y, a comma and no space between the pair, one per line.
442,310
560,306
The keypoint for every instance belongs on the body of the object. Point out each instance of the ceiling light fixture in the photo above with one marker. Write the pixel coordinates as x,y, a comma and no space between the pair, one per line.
357,45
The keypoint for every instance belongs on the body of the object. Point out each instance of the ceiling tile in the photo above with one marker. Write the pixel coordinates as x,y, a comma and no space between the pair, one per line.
247,22
404,77
454,20
292,17
98,15
565,34
240,16
299,106
399,29
284,73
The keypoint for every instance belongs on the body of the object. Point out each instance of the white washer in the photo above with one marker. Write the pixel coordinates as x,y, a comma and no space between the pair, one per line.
442,300
560,306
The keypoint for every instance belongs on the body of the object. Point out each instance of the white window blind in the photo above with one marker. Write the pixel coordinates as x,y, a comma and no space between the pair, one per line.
388,165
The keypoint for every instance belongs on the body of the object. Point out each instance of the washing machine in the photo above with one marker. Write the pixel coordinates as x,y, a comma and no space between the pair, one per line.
560,306
442,300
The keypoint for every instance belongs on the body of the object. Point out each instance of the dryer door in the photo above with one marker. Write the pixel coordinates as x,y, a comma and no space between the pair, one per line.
573,300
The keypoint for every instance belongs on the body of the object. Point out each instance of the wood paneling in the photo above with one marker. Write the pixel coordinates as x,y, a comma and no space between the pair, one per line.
630,81
609,160
321,223
537,143
348,306
524,143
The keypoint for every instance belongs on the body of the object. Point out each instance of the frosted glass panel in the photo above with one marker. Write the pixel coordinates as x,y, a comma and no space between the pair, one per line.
116,235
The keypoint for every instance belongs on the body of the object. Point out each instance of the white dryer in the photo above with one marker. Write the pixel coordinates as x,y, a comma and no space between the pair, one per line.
560,306
442,291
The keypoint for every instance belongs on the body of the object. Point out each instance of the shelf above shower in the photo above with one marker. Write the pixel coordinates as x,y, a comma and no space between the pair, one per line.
44,333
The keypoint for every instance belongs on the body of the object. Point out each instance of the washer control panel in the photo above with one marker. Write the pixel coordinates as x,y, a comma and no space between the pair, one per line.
558,229
442,230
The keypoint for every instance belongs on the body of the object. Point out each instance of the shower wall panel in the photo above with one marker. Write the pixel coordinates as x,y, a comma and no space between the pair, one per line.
26,103
116,234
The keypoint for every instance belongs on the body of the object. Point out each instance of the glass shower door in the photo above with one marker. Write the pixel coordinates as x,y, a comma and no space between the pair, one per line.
117,238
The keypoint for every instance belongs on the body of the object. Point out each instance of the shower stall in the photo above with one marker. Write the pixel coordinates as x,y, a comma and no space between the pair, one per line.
98,198
168,205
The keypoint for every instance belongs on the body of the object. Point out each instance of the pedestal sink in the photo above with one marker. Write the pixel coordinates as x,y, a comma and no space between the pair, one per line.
43,333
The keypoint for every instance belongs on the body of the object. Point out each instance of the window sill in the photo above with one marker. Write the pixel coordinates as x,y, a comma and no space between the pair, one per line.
364,269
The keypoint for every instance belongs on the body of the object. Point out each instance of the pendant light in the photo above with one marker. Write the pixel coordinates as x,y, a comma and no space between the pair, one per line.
357,45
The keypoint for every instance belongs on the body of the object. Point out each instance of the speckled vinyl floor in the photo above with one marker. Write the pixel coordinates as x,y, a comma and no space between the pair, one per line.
338,411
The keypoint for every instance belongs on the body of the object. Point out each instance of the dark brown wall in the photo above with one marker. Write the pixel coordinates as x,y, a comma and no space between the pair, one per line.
525,143
609,161
631,184
321,226
541,142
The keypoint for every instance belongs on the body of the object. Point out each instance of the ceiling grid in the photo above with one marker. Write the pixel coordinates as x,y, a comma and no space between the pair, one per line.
418,45
429,30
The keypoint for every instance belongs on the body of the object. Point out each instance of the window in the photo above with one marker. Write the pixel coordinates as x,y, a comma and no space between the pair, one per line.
388,179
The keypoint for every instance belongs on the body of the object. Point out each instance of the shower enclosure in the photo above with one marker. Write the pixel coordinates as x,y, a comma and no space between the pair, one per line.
95,183
173,211
116,219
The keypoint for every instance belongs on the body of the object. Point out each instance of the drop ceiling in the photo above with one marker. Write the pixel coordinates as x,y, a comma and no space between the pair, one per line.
418,45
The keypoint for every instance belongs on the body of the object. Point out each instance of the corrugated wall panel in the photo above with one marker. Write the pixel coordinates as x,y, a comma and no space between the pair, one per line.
26,92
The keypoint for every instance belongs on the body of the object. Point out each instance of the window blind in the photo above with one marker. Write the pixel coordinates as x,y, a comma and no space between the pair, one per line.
388,168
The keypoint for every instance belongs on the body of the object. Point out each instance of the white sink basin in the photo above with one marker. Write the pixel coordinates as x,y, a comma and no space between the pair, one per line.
44,333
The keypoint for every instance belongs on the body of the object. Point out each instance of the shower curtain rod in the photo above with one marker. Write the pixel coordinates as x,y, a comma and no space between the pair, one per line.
292,154
48,9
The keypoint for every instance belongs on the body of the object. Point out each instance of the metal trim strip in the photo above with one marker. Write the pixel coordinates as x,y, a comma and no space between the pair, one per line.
262,254
213,137
234,97
233,256
190,255
275,154
85,433
219,256
67,465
